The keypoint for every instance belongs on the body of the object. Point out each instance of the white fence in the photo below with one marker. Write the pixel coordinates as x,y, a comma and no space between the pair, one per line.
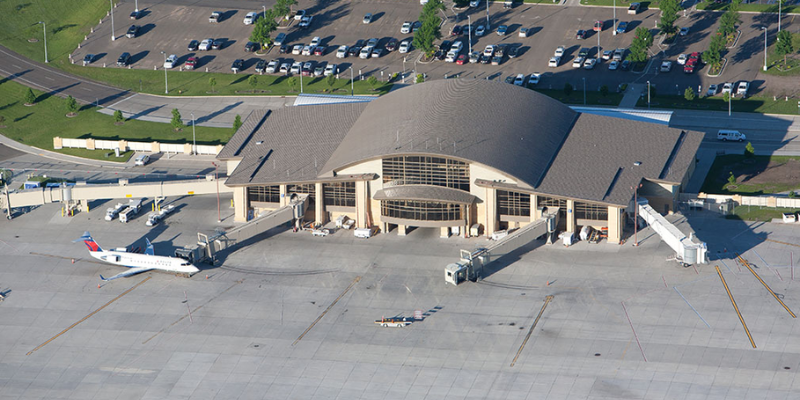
74,143
123,145
712,201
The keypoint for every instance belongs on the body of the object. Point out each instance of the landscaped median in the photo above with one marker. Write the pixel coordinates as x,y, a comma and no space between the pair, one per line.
38,124
757,104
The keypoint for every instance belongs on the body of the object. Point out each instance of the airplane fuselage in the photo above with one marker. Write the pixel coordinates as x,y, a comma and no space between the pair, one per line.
135,260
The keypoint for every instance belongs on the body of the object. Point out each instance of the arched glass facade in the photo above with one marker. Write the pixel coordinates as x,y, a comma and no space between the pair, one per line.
426,170
422,210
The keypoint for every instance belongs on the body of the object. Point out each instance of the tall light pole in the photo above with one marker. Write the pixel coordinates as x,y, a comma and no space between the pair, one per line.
730,97
614,32
216,178
351,81
265,11
415,69
137,6
765,47
44,29
780,3
404,70
648,95
469,32
636,215
166,86
487,15
113,38
194,142
584,91
599,54
301,79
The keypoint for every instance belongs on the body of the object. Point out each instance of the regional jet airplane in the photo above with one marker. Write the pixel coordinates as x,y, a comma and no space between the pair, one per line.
137,263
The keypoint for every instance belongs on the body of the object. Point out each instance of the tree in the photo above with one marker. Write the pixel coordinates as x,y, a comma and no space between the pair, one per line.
177,122
688,94
237,123
29,98
118,117
212,82
669,14
713,56
372,81
642,41
282,8
263,28
253,82
568,89
331,80
72,105
292,81
604,90
731,179
784,45
749,150
729,20
420,78
429,31
726,97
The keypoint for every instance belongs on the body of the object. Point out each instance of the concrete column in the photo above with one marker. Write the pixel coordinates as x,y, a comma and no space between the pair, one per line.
123,145
284,196
571,216
401,230
319,205
187,148
491,211
535,214
444,232
614,225
58,143
361,205
240,204
155,147
91,146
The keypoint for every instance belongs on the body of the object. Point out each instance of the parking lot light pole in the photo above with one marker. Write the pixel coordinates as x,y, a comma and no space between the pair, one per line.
216,178
44,29
487,14
648,95
780,3
404,70
137,6
113,38
351,81
584,91
265,11
614,32
765,47
166,87
469,31
194,142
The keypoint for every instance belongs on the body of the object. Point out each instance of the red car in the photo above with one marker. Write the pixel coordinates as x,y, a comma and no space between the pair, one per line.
319,50
456,30
598,26
191,63
462,59
691,63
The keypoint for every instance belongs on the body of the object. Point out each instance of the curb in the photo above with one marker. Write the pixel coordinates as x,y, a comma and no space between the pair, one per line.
721,69
736,41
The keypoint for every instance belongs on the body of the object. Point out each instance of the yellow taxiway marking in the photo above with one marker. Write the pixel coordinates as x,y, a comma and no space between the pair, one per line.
358,278
747,264
735,307
530,331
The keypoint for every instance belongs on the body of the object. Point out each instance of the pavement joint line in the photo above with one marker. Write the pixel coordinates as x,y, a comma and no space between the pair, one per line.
67,258
533,326
89,316
769,267
191,311
692,307
747,264
355,281
735,307
636,336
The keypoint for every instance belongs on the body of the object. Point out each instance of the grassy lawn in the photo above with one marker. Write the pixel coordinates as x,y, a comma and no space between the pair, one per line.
645,5
37,125
775,64
753,7
756,104
761,175
593,98
756,213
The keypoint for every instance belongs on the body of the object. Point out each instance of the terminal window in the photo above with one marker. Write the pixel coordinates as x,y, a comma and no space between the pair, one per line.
340,194
513,203
426,170
264,194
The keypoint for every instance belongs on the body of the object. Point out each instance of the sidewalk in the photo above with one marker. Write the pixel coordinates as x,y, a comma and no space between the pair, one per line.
632,95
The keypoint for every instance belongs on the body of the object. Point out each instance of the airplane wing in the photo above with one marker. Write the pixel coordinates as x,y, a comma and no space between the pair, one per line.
129,272
149,249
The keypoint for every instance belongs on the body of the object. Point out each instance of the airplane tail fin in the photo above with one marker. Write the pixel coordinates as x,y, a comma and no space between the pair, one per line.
103,279
89,242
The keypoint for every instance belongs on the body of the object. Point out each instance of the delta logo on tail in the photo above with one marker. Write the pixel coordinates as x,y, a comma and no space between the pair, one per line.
89,242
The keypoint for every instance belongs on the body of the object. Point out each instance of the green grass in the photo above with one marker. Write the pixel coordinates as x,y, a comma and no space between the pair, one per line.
756,104
754,7
593,98
716,180
645,5
775,62
756,213
37,125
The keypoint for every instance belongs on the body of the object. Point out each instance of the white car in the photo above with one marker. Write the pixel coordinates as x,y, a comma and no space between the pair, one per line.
341,52
554,61
141,160
613,65
712,90
296,66
299,15
577,62
297,49
457,47
666,66
271,67
534,78
474,3
589,63
367,18
559,51
727,87
488,50
682,59
308,50
406,27
205,45
250,18
451,57
171,61
284,68
523,32
742,89
315,41
480,31
330,69
405,46
305,22
519,80
365,52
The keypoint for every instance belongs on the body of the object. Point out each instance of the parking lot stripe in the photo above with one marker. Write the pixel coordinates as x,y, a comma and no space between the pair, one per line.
530,331
747,264
358,278
735,307
88,316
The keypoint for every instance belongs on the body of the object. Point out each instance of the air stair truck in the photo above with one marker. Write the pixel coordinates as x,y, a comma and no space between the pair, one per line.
133,208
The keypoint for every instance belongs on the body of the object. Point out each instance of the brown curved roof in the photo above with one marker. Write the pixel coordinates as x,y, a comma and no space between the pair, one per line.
509,128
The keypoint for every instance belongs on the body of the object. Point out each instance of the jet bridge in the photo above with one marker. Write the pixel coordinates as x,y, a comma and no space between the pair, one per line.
208,246
687,251
472,262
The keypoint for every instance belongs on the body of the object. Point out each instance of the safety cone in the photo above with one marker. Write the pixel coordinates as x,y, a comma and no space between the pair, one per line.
73,261
98,286
548,283
206,276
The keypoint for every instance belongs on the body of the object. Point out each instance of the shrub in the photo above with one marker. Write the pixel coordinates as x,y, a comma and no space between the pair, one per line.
568,89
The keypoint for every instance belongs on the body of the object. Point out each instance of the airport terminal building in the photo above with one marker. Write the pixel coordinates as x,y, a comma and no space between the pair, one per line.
454,154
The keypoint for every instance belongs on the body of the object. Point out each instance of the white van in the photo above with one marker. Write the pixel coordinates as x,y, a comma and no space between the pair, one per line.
365,233
726,135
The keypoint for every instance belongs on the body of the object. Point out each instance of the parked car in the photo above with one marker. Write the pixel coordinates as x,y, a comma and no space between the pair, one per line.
625,65
315,41
534,78
513,51
559,52
474,57
284,49
280,39
583,52
406,28
501,30
237,65
444,46
480,31
205,44
331,69
598,26
523,32
613,65
485,59
319,70
712,90
415,26
451,57
193,45
666,66
284,69
377,52
727,87
455,30
577,62
141,160
171,61
682,59
365,53
296,67
272,67
405,46
622,27
489,50
367,18
250,47
354,51
742,89
308,68
136,14
373,42
319,50
250,18
519,80
215,17
341,52
607,54
619,54
634,8
132,31
474,3
684,31
217,44
191,63
261,66
305,22
299,14
297,49
510,79
589,63
124,59
391,45
554,61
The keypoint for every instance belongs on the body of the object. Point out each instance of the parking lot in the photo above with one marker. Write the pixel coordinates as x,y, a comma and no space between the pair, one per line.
169,28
